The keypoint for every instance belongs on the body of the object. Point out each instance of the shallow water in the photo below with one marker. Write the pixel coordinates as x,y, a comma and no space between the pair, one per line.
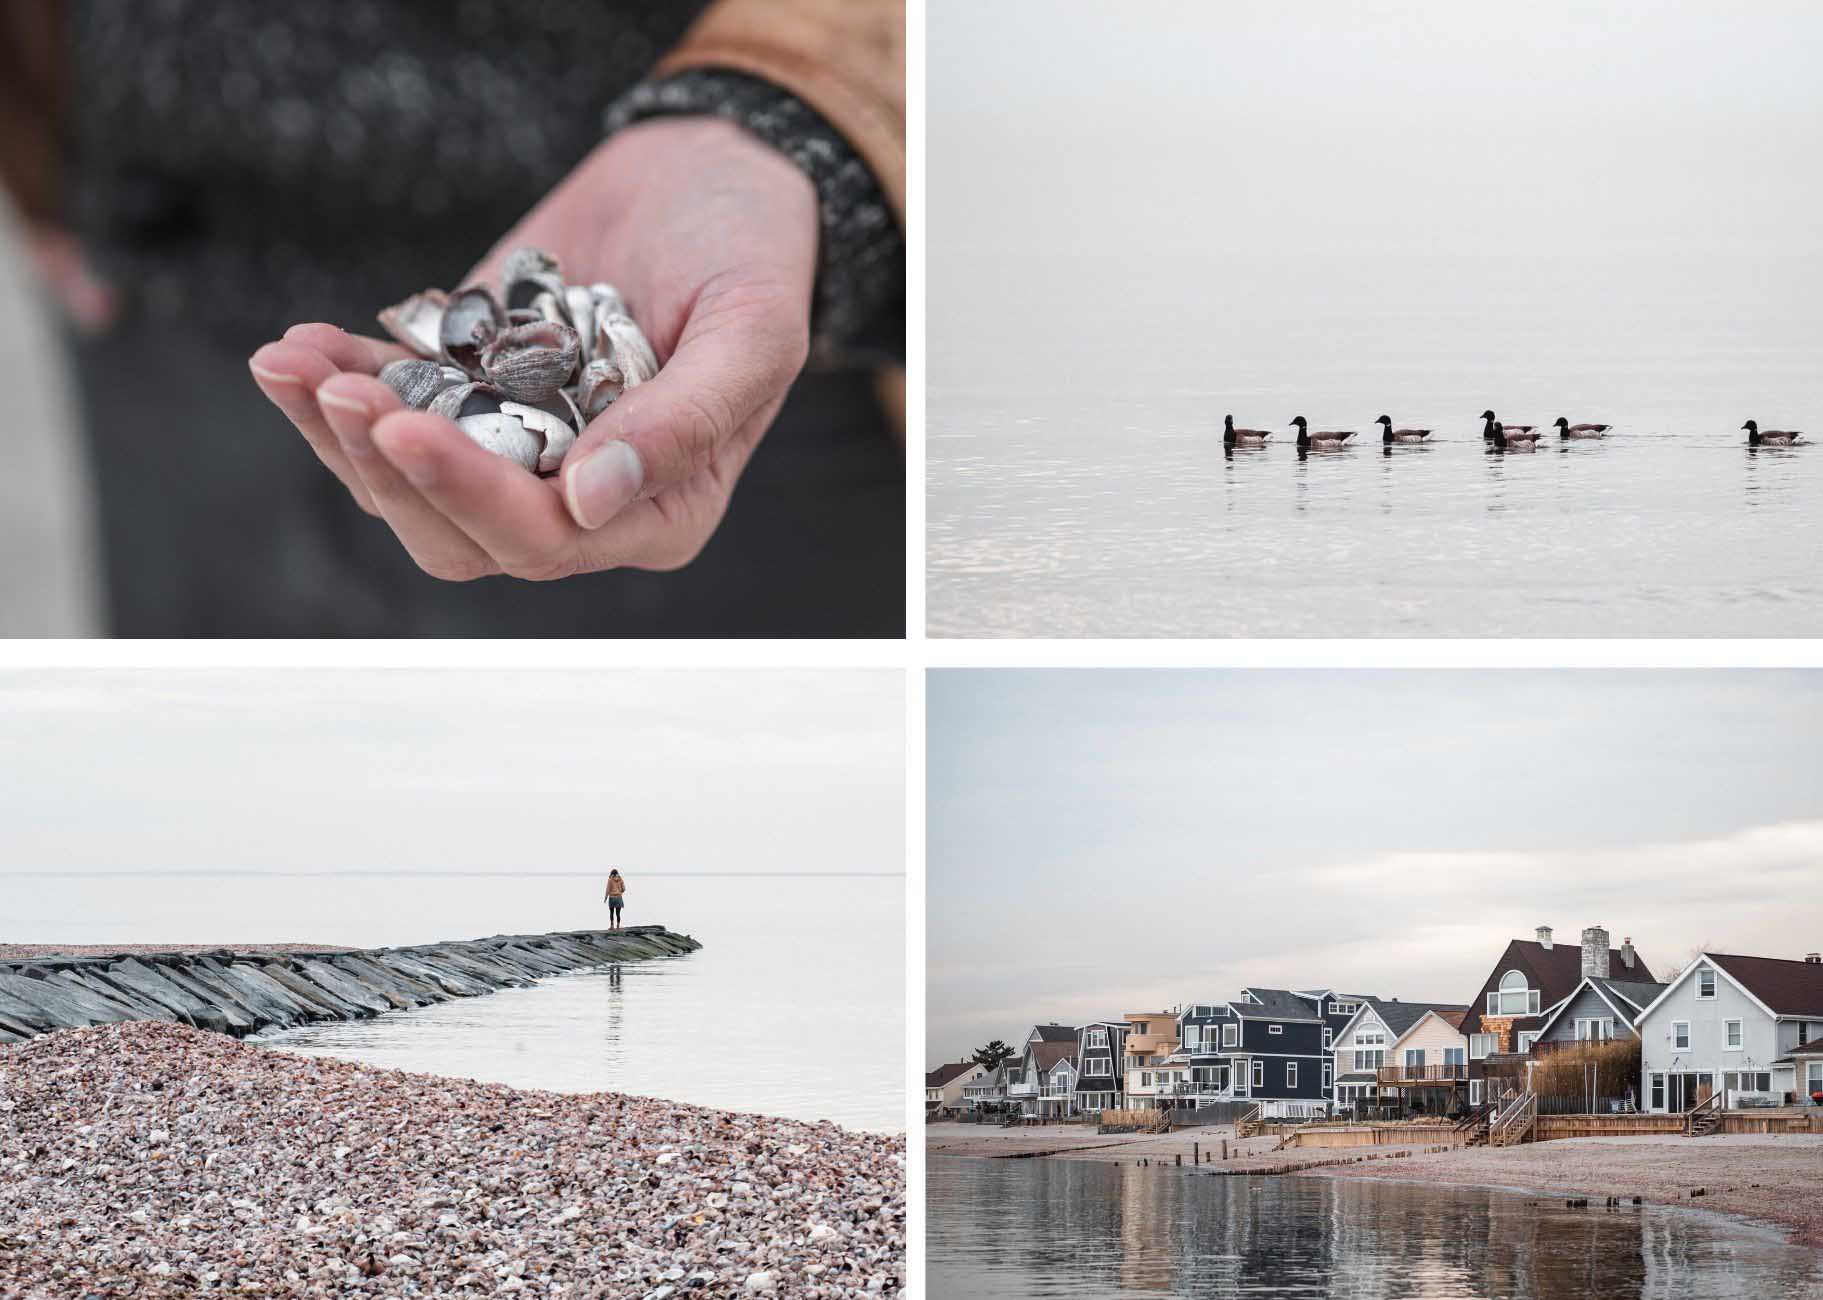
1034,1228
1077,483
795,1005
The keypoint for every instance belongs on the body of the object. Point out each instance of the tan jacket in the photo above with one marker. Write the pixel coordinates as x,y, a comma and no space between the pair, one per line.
617,886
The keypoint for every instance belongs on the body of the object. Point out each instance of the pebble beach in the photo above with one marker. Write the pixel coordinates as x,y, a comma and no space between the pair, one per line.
153,1159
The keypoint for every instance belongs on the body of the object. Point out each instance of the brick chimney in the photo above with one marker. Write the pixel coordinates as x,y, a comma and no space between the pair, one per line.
1544,937
1626,952
1595,953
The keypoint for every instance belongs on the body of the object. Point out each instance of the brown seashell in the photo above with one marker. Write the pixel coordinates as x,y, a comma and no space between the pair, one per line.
417,322
601,382
471,318
529,363
417,382
606,295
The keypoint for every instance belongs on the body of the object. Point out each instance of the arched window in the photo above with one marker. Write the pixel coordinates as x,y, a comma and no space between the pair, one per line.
1515,997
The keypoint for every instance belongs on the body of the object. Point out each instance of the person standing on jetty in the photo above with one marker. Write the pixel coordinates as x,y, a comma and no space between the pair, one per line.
617,888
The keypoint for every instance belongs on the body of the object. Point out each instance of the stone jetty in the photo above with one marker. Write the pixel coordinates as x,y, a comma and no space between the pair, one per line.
241,992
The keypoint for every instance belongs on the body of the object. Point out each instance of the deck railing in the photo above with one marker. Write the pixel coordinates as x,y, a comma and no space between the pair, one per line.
1457,1073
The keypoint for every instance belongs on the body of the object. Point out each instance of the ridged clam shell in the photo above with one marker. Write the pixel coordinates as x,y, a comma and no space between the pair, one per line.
471,318
529,363
417,382
417,322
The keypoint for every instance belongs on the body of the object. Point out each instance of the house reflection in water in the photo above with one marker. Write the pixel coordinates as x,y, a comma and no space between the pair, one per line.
1036,1228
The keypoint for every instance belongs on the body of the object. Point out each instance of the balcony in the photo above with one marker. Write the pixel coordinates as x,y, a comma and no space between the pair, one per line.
1423,1073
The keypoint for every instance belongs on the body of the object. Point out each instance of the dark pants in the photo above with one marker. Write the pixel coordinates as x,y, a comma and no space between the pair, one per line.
217,520
614,910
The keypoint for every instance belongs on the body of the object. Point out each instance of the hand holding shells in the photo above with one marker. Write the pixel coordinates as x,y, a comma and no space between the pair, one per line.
523,372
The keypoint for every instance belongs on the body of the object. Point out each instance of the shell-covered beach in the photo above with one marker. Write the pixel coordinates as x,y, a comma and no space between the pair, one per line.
152,1159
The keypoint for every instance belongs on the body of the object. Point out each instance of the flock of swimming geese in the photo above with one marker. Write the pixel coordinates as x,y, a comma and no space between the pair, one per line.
1498,436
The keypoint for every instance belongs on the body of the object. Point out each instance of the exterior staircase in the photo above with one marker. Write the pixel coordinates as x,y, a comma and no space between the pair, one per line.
1516,1122
1475,1124
1705,1117
1249,1124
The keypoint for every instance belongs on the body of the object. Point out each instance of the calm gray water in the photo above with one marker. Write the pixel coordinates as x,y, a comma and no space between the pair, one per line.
1022,1229
795,1005
1077,484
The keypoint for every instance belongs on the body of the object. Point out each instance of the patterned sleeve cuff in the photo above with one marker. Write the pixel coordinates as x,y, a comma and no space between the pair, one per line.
858,313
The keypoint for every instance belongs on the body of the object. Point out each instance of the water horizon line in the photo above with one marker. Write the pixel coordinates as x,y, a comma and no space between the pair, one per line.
406,873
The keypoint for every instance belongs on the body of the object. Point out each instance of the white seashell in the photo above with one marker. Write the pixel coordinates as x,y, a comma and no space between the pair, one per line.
525,274
620,339
555,435
417,322
579,304
530,363
418,382
606,295
600,384
504,435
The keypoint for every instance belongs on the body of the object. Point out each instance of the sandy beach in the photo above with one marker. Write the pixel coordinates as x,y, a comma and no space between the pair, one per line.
151,1159
1769,1179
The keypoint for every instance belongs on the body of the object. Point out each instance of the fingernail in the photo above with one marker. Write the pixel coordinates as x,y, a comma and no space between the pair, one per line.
273,376
603,484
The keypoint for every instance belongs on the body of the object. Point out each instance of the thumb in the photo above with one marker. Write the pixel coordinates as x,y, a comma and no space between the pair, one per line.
728,365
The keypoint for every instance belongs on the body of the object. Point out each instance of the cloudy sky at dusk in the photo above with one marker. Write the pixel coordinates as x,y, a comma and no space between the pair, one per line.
1107,841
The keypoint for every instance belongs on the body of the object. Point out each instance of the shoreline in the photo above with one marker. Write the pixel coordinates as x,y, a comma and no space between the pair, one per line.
1752,1179
157,1159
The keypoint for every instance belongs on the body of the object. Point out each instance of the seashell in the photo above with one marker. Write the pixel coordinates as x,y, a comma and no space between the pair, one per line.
579,308
607,295
417,322
555,433
526,273
601,382
471,318
522,316
417,382
550,306
504,435
529,363
619,338
466,399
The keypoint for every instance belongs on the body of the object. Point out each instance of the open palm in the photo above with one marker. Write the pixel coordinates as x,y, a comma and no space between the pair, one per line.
711,237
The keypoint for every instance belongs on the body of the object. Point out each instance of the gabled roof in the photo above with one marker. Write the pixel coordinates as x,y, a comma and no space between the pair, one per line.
1555,972
1638,994
1276,1004
948,1073
1046,1055
1626,999
1397,1016
1053,1033
1787,988
1451,1016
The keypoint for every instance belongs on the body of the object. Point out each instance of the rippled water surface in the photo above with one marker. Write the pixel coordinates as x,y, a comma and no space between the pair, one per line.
794,1006
1077,483
1034,1228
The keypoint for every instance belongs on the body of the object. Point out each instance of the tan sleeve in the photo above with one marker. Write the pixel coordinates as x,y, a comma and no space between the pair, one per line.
845,58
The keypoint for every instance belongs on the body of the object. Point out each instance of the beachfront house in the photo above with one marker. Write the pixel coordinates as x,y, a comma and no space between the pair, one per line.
1207,1070
985,1095
1526,987
1336,1010
1427,1067
1152,1070
1374,1075
1271,1046
943,1087
1042,1083
1745,1026
1100,1047
1598,1011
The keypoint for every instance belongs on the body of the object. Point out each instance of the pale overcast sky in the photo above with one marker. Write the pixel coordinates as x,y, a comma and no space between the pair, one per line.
1111,841
526,768
1077,126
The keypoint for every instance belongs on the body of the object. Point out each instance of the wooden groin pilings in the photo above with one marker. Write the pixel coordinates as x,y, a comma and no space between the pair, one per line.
242,993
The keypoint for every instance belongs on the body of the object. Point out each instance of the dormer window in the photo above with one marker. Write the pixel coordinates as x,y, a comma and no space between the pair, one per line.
1098,1038
1513,997
1705,983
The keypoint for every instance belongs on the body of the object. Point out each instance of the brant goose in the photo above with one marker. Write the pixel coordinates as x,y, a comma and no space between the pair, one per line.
1771,437
1487,427
1329,438
1567,430
1518,438
1234,437
1390,434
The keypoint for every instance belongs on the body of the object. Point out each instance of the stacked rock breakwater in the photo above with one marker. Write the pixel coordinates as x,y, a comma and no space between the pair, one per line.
155,1160
241,993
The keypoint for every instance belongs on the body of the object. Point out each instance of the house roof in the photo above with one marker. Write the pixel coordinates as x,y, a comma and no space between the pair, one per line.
1046,1055
947,1073
1789,988
1053,1033
1453,1017
1276,1004
1625,998
1401,1016
1636,992
1555,972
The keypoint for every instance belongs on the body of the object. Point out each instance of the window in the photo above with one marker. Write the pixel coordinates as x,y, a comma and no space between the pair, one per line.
1453,1056
1328,1075
1231,1034
1192,1037
1414,1058
1291,1074
1128,1062
1731,1035
1592,1029
1259,1074
1514,998
1275,1029
1474,1092
1705,982
1329,1038
1526,1040
1658,1092
1480,1045
1680,1035
1370,1060
1141,1027
1803,1032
